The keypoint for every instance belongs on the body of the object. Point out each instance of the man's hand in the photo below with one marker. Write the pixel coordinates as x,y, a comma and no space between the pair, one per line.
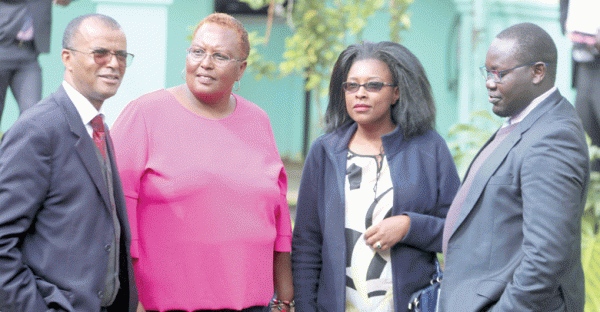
62,2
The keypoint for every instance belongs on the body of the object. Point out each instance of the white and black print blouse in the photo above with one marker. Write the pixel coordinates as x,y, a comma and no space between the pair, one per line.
369,199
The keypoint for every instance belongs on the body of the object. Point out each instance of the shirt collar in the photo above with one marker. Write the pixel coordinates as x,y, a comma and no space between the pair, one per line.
520,116
84,107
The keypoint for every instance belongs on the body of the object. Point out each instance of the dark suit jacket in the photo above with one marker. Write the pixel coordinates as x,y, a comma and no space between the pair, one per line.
13,17
516,245
55,222
425,181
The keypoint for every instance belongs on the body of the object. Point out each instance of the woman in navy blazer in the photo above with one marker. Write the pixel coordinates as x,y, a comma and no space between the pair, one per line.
375,188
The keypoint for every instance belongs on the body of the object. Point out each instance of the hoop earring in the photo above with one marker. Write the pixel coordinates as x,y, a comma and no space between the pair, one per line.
239,85
183,74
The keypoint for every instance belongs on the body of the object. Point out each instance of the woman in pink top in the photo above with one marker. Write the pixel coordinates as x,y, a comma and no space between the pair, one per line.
205,186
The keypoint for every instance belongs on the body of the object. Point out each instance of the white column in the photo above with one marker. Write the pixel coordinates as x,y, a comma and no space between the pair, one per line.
465,61
145,25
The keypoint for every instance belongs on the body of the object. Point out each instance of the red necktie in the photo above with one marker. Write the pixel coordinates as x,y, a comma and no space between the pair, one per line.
98,135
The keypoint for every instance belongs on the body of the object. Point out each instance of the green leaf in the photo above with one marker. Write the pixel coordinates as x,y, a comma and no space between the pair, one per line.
590,255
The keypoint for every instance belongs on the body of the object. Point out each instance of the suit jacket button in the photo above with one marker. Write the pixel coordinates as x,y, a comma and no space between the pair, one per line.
107,248
100,294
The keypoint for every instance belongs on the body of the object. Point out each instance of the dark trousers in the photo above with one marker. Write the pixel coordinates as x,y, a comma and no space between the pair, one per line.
587,102
24,77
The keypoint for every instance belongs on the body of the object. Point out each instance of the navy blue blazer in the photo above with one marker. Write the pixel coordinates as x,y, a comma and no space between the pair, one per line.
425,181
55,224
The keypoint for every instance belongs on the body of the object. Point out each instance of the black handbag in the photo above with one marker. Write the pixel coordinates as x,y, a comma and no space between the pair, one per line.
426,299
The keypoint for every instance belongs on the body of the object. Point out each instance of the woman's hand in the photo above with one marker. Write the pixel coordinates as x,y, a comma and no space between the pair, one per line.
140,307
274,309
388,232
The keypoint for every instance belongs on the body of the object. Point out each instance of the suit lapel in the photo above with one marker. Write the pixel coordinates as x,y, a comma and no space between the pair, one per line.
484,174
84,145
494,161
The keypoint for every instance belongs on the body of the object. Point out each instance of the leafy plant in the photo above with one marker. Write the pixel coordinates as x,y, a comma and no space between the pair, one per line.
590,237
467,139
321,30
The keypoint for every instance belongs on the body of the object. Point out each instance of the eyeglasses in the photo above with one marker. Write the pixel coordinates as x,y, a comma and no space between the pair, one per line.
371,86
219,59
103,56
497,75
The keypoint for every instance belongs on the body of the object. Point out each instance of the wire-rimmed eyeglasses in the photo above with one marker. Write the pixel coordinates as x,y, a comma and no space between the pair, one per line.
220,59
103,56
371,86
496,75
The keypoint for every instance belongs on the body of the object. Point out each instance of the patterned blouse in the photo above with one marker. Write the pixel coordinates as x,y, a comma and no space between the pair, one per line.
369,199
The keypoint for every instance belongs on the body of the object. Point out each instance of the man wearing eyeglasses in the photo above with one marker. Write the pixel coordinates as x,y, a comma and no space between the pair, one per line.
512,237
64,233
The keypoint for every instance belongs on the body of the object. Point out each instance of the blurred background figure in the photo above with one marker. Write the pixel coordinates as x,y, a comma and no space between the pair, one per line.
205,186
375,188
579,21
24,34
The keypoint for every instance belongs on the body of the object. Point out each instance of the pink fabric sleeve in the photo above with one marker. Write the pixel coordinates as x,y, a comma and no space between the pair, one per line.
283,241
131,150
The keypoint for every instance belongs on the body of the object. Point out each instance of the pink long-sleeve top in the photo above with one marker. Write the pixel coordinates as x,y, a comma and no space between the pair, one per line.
206,201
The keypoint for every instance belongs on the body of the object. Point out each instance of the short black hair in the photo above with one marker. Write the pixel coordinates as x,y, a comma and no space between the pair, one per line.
414,111
533,44
74,25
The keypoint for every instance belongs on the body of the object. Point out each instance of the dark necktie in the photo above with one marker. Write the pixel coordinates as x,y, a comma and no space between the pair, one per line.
98,135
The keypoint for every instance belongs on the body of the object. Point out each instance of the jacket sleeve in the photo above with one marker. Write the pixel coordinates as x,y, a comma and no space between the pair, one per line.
25,169
426,228
554,176
307,237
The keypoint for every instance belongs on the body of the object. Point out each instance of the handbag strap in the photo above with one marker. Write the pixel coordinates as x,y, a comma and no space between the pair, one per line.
438,271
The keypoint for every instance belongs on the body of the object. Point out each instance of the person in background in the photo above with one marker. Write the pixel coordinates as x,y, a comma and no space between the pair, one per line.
512,238
374,190
586,79
64,233
205,186
24,34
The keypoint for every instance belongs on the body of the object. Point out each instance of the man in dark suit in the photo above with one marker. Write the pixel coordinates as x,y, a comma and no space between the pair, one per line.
24,34
512,237
64,234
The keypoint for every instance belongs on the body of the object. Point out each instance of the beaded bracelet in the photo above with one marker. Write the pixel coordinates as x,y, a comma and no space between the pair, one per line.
279,303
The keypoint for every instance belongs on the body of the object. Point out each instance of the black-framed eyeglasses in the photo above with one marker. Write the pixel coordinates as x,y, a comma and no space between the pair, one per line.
496,75
371,86
220,59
